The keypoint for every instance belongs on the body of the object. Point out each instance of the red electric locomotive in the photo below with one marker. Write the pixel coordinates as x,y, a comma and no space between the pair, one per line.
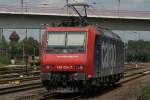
77,58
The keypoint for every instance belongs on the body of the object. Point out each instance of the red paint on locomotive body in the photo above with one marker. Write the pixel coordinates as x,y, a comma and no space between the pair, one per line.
76,62
63,62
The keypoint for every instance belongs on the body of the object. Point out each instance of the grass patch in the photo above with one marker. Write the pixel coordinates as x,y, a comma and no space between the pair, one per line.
2,65
147,91
4,60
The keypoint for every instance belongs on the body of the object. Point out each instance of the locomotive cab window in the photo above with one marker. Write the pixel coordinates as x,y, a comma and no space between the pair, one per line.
56,39
75,39
69,42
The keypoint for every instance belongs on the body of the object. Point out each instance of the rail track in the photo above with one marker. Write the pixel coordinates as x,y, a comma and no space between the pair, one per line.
20,79
17,69
134,76
17,81
10,78
15,75
35,85
22,87
11,74
132,67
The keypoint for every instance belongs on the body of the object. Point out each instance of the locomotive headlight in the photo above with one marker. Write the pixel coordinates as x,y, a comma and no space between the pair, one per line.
81,67
48,67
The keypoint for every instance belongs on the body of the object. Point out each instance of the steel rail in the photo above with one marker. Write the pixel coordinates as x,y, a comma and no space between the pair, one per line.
134,76
22,87
6,81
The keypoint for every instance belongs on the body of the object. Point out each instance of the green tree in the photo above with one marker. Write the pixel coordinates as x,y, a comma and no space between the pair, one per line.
4,57
14,45
138,51
31,46
14,37
3,43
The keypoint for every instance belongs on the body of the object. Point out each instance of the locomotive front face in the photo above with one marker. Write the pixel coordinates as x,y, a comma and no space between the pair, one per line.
65,54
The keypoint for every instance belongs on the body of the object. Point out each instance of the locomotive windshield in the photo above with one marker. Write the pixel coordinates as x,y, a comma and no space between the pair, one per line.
75,39
66,42
56,39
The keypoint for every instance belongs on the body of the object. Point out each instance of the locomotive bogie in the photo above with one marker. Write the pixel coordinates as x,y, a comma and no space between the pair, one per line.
80,85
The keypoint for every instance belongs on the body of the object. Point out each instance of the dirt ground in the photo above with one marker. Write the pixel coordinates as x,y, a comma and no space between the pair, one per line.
129,91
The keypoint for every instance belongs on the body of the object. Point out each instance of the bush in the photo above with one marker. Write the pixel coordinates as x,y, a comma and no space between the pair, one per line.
4,60
140,56
147,91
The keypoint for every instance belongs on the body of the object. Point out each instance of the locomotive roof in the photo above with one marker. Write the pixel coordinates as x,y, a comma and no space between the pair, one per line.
108,33
104,31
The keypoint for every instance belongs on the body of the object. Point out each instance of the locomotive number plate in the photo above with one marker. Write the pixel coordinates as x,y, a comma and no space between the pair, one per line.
64,67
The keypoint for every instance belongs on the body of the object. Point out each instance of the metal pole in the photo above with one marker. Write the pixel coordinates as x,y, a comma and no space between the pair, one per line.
125,48
26,56
136,62
85,11
23,53
67,7
26,7
40,35
1,34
